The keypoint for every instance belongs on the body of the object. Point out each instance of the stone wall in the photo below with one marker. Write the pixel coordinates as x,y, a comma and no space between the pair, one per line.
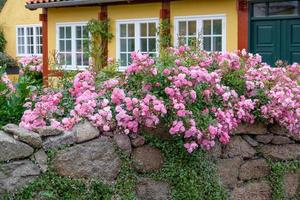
243,164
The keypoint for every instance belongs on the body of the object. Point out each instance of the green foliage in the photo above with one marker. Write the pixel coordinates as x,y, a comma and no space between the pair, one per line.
235,80
2,39
100,33
2,3
6,60
164,34
278,170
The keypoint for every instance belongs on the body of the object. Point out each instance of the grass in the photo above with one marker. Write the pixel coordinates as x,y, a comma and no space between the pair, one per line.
190,176
278,170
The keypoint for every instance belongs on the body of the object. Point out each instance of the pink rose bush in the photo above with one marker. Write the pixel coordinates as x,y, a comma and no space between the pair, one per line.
201,96
31,64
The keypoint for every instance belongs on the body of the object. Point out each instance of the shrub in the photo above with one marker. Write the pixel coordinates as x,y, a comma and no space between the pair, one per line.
7,61
201,96
2,38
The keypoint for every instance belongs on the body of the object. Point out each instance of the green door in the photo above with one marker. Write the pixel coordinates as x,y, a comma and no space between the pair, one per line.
265,39
291,40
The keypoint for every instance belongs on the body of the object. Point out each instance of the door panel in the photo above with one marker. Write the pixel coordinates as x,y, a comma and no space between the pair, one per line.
291,38
265,37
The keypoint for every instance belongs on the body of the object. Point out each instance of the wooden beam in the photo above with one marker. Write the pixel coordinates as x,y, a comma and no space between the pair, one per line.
44,20
103,16
242,9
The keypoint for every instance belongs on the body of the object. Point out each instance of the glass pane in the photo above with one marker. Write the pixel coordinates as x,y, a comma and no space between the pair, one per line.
152,29
130,45
20,31
61,32
123,59
207,43
128,59
192,28
152,45
85,32
192,41
144,45
61,45
68,32
143,30
78,46
68,59
79,59
130,30
78,32
217,42
29,31
86,45
20,40
123,30
182,41
21,49
38,30
29,40
217,27
259,9
62,59
207,27
123,45
283,8
86,59
68,46
182,28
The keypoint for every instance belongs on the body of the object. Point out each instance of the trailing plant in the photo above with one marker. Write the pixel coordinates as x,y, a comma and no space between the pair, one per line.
2,40
100,35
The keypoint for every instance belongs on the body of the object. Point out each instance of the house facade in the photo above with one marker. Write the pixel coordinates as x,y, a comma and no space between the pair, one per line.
268,27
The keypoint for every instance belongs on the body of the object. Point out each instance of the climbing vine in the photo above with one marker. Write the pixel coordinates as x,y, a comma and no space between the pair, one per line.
164,34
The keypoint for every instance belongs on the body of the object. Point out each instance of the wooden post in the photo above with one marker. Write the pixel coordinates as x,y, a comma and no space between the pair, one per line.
165,14
242,9
44,20
104,42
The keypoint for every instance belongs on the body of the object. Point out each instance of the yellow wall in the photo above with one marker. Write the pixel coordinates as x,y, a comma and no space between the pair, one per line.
14,13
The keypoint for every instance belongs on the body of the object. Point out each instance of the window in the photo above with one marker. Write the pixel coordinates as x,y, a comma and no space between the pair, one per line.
276,8
29,40
136,35
207,32
72,45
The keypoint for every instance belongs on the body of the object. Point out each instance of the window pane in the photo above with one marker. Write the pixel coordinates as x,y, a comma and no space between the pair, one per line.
217,41
61,32
207,27
85,32
86,59
61,45
131,30
152,29
152,45
68,59
283,8
123,30
192,28
131,45
20,40
182,28
128,59
260,9
123,45
143,30
144,45
29,31
78,32
123,59
21,49
78,46
79,59
207,43
62,60
68,46
68,32
182,41
20,31
217,27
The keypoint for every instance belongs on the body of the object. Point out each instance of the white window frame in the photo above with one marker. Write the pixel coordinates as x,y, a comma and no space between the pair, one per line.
34,26
199,26
136,23
73,43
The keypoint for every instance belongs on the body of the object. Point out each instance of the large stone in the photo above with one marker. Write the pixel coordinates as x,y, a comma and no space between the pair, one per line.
148,189
251,141
67,138
137,141
13,149
15,175
216,151
254,169
238,147
24,135
281,152
85,131
265,139
282,140
251,129
278,130
228,170
147,159
251,191
123,142
41,159
291,184
93,159
49,131
160,131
